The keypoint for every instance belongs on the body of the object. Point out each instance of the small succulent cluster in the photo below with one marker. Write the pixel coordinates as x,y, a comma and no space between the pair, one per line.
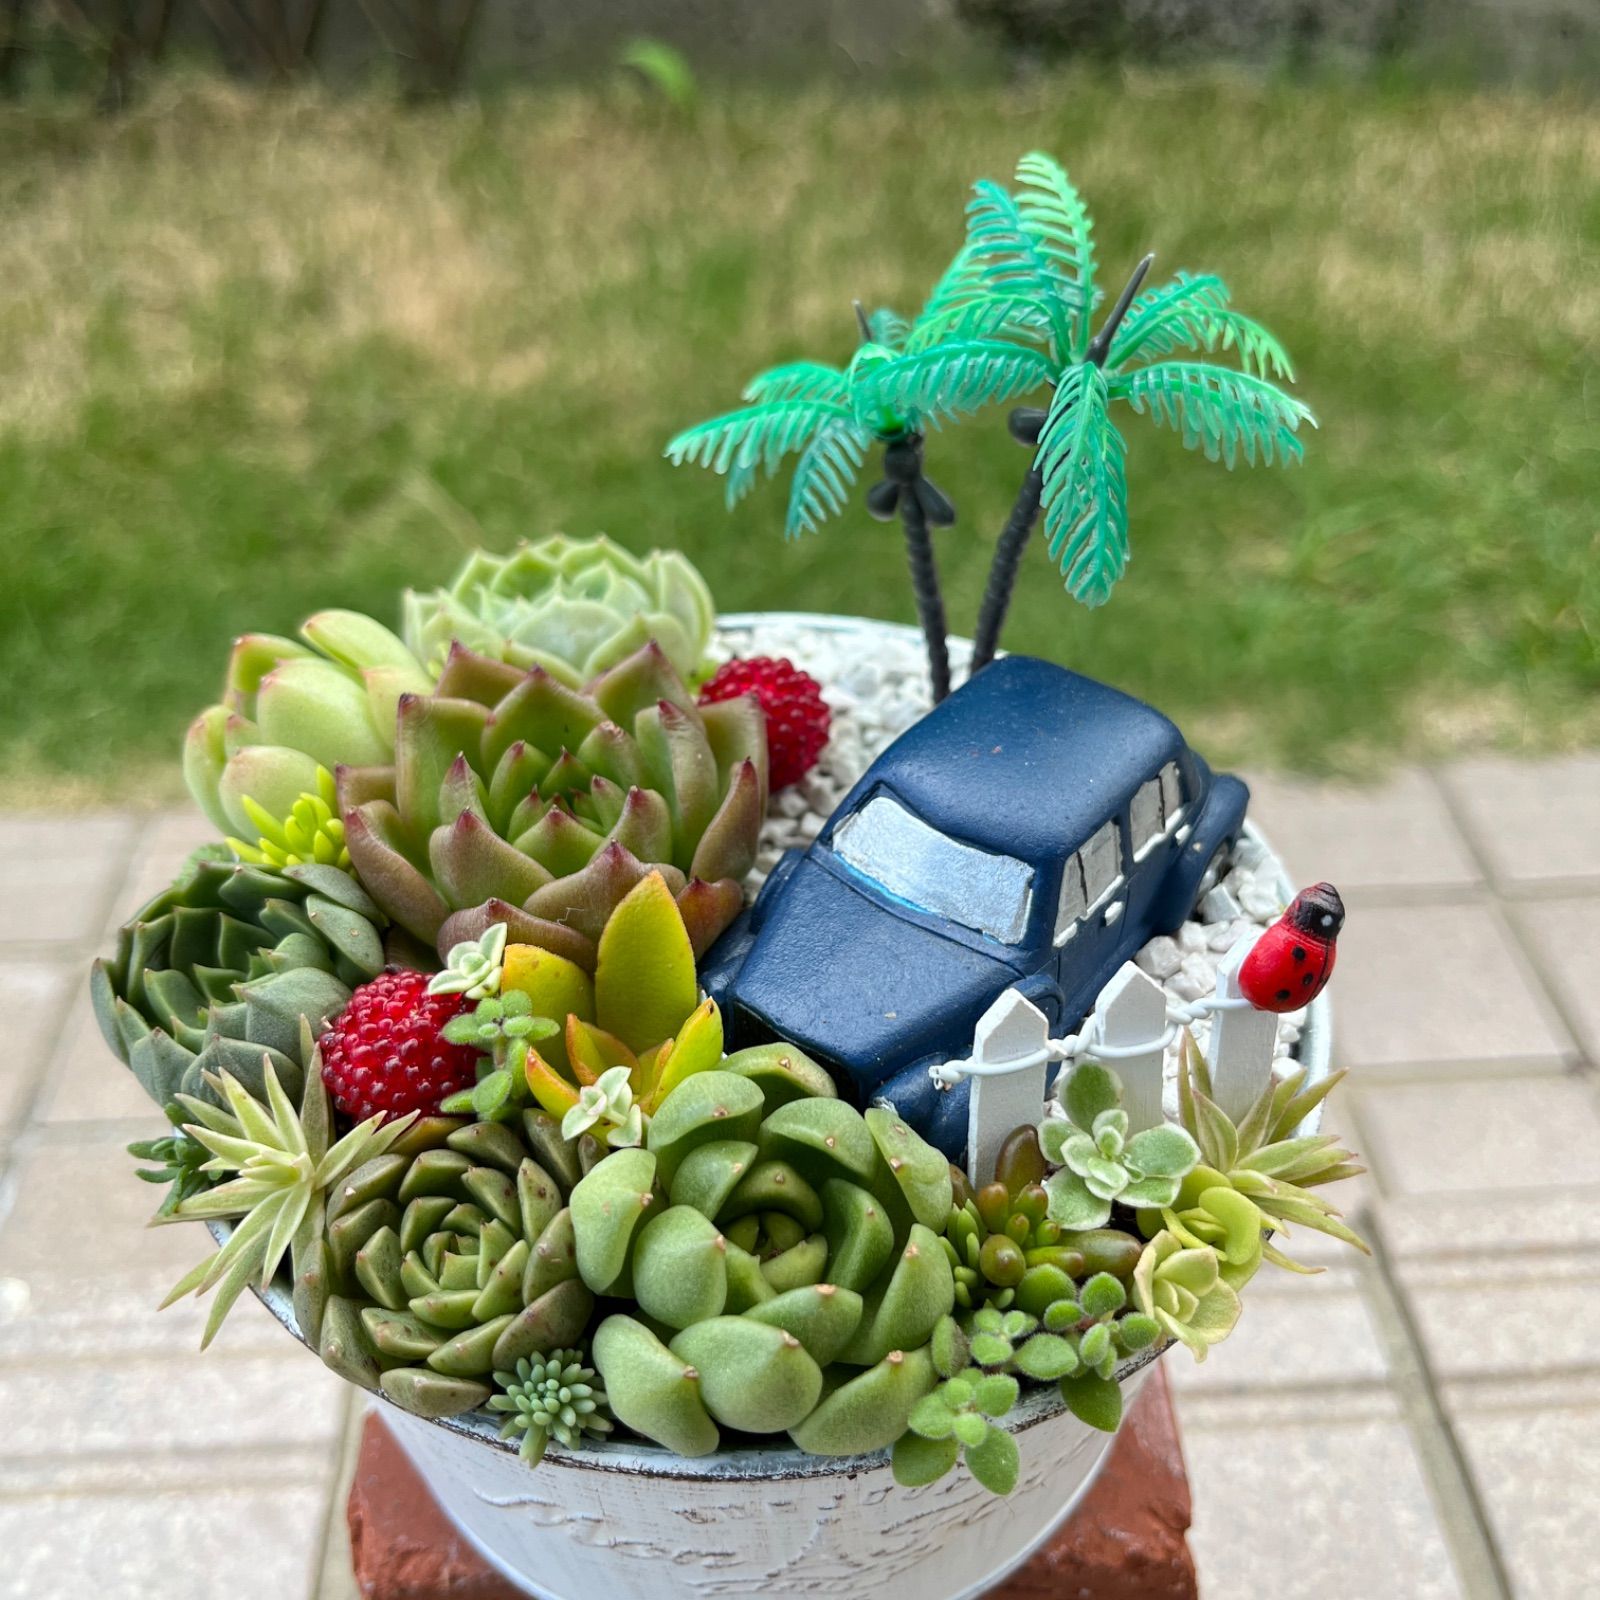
547,1397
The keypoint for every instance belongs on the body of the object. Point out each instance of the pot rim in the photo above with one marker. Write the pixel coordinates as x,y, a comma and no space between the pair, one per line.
775,1462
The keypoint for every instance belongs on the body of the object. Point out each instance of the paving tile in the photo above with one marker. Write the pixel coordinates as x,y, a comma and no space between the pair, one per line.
134,1406
1565,938
244,1543
1432,985
89,1083
1395,834
56,874
1466,1225
1301,1513
1530,1316
81,1272
1295,1333
33,1001
166,841
1479,1136
1532,821
1537,1472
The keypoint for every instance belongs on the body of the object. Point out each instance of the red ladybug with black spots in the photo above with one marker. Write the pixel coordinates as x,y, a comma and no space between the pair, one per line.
1290,964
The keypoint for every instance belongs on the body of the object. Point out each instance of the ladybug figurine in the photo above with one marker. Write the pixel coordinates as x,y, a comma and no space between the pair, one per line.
1290,964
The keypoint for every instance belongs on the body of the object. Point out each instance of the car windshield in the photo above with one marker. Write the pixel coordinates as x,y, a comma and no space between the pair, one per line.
899,852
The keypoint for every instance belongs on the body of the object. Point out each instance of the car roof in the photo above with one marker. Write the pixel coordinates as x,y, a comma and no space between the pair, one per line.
1041,757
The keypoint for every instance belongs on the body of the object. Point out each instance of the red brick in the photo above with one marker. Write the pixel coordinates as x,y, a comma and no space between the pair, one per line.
1125,1542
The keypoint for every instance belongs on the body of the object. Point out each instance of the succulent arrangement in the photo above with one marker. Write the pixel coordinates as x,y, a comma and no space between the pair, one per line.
427,1026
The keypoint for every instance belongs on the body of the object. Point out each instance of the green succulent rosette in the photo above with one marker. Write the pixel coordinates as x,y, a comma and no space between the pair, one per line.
216,973
291,707
450,1259
575,607
515,798
782,1258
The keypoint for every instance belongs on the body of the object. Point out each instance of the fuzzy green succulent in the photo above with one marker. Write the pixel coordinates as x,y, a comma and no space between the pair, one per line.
1099,1162
961,1419
217,972
572,606
554,1396
1254,1179
503,1028
289,709
778,1249
514,798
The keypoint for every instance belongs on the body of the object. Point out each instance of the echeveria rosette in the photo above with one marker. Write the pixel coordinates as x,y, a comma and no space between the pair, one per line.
217,972
572,606
289,708
451,1259
514,798
1099,1163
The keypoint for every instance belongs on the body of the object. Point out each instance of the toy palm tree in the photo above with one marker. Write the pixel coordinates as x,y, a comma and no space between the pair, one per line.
831,419
1014,312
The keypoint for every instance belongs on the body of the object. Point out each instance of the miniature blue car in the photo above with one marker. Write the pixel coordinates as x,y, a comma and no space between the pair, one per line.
1034,830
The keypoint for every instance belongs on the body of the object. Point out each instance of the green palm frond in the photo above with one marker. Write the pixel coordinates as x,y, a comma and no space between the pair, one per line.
823,476
959,375
797,380
1054,214
986,316
889,328
759,435
1192,313
1085,486
1218,410
1014,261
963,280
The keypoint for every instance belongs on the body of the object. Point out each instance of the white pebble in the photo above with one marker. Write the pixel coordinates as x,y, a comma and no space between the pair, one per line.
1191,937
1218,905
1160,958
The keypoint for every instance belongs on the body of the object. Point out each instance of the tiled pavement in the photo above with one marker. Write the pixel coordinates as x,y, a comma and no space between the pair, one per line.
1424,1424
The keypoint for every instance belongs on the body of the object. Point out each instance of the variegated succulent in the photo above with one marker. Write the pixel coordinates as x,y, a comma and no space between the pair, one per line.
514,798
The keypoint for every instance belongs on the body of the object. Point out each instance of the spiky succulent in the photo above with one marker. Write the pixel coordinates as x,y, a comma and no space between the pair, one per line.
550,1397
289,708
451,1260
179,1160
771,1240
217,972
1254,1179
1099,1162
309,832
283,1163
514,798
572,606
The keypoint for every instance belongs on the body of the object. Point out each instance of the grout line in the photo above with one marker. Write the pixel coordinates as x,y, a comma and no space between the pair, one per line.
1545,988
1463,1517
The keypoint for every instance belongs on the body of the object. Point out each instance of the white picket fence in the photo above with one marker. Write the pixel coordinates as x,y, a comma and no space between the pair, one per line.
1133,1026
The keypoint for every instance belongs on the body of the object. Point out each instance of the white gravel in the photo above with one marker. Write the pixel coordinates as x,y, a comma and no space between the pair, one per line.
876,698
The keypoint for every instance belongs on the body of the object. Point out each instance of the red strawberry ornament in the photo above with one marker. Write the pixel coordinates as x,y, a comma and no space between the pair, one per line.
798,718
1290,964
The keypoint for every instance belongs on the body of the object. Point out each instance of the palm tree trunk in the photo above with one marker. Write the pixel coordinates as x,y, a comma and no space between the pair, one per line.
1003,569
925,589
921,507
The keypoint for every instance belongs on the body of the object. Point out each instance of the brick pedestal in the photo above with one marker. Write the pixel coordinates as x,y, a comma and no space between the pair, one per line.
1125,1542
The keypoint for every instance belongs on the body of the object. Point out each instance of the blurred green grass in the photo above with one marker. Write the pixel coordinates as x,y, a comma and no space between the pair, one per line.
265,354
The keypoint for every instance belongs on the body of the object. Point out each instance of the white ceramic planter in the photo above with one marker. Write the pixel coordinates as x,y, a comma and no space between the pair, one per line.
631,1521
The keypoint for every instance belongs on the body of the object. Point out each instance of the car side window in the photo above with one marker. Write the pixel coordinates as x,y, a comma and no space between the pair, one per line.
1102,862
1145,817
1171,792
1073,900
